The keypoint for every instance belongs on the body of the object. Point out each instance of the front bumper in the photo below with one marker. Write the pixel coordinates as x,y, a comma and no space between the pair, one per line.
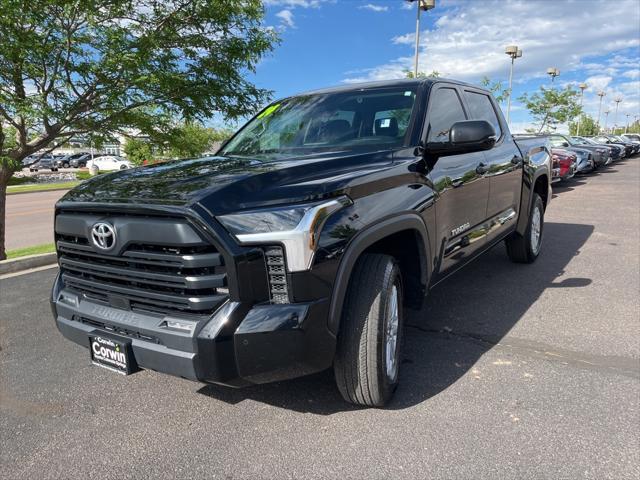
237,345
584,165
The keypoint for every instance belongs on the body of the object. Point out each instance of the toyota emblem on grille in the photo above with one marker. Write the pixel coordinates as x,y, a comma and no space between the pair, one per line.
103,236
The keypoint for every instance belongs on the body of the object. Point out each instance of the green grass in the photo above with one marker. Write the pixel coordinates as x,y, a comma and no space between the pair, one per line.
40,187
87,175
23,252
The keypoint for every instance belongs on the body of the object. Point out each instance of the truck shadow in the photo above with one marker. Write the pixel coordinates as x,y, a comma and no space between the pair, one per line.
463,318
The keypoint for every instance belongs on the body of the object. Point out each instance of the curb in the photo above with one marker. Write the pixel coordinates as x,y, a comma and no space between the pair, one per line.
25,263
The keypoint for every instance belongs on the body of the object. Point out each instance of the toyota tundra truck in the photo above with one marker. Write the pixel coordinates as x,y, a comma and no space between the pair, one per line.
298,246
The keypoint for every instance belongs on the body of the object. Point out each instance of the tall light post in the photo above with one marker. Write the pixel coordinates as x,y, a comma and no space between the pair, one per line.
601,94
582,88
553,72
421,5
615,118
606,119
514,52
626,125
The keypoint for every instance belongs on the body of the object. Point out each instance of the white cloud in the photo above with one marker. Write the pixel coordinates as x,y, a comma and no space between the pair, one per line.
406,39
468,39
286,17
374,8
408,6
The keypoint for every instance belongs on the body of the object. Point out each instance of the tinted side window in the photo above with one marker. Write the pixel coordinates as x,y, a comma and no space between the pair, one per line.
446,110
481,109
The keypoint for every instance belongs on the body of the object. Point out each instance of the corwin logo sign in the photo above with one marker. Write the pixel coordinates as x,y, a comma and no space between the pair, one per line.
108,352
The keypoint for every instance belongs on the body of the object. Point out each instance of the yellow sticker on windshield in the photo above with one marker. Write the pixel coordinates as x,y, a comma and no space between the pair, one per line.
269,110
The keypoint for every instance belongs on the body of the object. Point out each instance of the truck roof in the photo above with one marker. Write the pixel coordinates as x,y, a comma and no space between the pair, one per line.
399,82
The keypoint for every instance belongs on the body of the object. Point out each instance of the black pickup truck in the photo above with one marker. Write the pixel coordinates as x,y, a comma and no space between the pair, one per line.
296,247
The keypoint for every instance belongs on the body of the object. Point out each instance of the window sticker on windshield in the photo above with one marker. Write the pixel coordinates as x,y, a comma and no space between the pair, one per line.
385,123
269,110
408,93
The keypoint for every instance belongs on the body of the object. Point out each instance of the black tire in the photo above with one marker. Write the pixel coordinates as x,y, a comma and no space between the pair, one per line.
523,249
123,167
364,373
65,165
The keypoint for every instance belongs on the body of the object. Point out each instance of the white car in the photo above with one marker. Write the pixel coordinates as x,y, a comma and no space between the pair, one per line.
109,162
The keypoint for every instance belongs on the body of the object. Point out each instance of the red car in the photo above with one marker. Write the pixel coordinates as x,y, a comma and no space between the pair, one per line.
563,164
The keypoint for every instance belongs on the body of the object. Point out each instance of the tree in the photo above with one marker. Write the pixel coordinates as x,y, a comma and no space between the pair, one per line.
190,140
551,107
588,126
69,68
138,150
499,92
409,74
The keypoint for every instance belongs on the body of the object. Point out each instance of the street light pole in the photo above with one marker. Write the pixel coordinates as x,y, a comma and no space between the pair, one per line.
553,72
615,118
514,52
626,125
421,5
601,94
606,119
582,88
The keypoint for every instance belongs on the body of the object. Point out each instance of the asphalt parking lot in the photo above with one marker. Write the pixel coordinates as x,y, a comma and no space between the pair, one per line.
510,371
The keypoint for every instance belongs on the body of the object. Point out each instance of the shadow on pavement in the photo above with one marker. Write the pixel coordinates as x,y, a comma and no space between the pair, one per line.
479,305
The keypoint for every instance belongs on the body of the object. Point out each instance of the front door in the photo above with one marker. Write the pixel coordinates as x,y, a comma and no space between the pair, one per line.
461,186
504,164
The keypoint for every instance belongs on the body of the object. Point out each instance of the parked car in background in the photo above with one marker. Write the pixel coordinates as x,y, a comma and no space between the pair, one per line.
613,152
80,162
563,164
65,161
110,162
627,150
634,137
30,160
585,157
45,162
628,142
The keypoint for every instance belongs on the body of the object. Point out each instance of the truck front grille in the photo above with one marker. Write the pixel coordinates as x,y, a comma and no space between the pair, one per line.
153,274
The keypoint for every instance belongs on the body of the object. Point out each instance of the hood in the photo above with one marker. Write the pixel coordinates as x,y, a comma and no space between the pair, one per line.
225,184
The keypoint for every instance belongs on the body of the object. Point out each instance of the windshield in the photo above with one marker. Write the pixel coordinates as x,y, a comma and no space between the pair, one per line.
579,141
360,120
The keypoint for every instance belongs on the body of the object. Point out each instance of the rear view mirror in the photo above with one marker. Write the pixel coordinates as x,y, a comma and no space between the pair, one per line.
465,137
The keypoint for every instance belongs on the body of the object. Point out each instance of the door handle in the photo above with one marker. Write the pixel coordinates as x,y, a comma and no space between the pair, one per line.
481,169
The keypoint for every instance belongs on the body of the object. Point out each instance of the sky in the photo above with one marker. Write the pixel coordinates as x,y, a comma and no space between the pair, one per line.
332,42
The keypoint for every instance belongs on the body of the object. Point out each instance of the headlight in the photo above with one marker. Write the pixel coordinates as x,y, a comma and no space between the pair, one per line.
296,227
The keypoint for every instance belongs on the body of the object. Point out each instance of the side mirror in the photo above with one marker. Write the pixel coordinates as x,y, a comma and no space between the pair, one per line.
465,137
565,144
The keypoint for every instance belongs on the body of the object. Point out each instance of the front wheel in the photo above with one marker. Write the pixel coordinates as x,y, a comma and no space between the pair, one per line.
525,249
368,352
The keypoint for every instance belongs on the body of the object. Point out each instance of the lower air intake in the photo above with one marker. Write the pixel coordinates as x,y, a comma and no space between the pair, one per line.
278,288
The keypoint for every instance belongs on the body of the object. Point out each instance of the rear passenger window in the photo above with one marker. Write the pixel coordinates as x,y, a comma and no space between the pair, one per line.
446,110
481,108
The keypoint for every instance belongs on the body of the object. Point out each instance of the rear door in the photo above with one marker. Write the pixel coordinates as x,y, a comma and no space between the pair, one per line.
463,190
504,165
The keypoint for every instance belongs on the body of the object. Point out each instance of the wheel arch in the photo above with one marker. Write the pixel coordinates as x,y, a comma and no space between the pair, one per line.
540,185
383,237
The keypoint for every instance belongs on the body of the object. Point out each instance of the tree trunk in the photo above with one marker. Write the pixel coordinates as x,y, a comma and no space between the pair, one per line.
4,180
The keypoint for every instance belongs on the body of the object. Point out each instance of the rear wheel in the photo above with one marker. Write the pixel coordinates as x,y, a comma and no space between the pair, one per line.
368,352
525,249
